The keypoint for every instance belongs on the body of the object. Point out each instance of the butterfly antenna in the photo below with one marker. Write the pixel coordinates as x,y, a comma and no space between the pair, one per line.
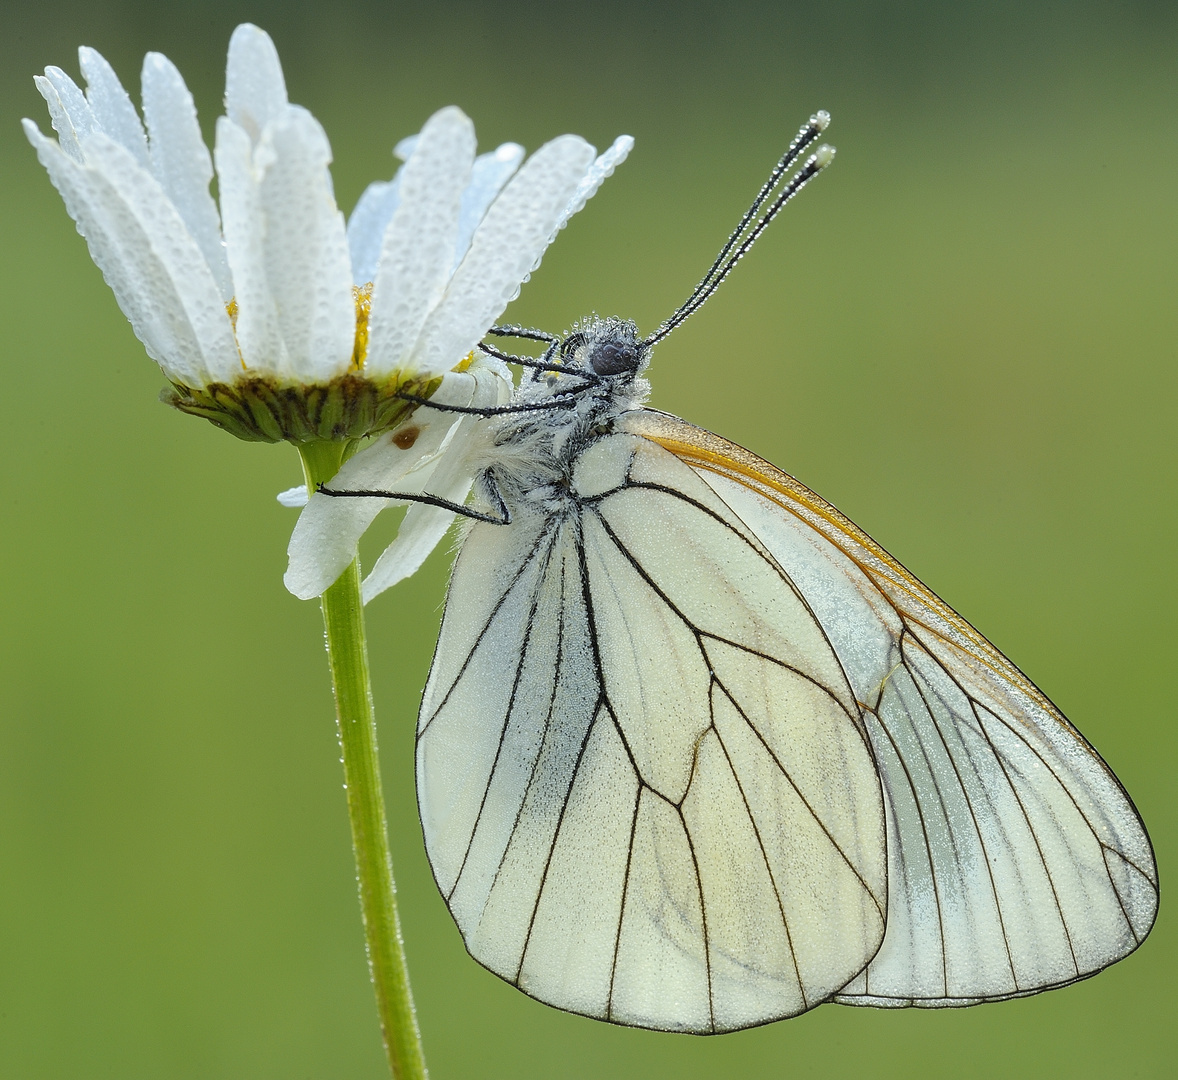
808,133
750,227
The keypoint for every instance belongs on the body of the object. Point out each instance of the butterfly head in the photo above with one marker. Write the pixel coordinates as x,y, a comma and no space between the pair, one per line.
606,349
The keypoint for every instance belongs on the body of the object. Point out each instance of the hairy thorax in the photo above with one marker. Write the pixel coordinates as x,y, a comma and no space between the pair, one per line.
531,457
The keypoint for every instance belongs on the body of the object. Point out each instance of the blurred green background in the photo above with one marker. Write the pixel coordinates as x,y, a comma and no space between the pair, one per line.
963,335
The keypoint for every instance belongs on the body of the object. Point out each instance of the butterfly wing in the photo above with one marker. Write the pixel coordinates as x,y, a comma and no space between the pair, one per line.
646,788
1016,861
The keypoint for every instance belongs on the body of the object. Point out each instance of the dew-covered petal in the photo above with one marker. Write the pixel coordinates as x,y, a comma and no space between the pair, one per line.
178,252
366,227
417,252
306,248
325,536
491,171
597,173
324,539
371,216
423,526
180,160
88,200
258,335
69,112
146,255
111,106
421,530
507,245
255,90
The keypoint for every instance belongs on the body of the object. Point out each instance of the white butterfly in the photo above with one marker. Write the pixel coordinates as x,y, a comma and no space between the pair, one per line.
696,753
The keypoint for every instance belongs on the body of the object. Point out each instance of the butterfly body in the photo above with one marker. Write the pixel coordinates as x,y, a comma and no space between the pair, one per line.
528,457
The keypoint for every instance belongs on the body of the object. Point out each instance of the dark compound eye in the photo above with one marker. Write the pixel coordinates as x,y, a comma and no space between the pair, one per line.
612,358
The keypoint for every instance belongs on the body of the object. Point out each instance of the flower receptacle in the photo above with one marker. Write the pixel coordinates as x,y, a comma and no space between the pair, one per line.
262,409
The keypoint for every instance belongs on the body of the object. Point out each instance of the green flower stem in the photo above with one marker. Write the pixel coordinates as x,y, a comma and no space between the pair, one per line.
343,618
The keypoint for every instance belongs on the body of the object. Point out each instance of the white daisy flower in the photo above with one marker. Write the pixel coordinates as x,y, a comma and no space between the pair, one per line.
433,447
274,320
271,318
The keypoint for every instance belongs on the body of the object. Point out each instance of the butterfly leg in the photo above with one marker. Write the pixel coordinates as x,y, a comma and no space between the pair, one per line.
489,483
544,363
566,397
517,331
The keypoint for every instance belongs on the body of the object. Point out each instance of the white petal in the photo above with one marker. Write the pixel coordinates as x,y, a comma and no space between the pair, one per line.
423,526
111,107
69,112
421,530
506,246
255,91
295,497
597,174
180,160
306,248
147,257
324,539
86,200
491,171
371,216
178,253
257,330
287,248
366,227
418,249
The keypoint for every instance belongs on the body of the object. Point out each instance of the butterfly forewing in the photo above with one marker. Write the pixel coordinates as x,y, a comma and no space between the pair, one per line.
1015,859
647,791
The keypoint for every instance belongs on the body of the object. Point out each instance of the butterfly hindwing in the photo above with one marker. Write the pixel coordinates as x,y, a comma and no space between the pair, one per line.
1016,861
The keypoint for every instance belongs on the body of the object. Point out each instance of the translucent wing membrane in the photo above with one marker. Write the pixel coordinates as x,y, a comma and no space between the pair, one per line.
1016,861
647,789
